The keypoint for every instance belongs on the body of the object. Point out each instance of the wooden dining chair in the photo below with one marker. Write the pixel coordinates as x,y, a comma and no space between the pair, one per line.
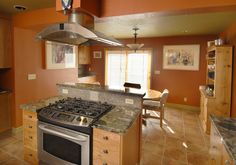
132,85
156,105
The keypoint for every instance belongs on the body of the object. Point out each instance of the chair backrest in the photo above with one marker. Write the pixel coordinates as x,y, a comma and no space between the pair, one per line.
164,96
132,85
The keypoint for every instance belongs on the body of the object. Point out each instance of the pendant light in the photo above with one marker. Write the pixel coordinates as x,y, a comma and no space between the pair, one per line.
135,46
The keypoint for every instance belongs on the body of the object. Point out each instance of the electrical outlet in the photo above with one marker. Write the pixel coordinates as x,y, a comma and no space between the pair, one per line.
157,72
31,76
93,95
65,91
185,99
129,101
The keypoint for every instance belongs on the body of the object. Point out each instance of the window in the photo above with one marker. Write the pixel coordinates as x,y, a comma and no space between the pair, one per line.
127,66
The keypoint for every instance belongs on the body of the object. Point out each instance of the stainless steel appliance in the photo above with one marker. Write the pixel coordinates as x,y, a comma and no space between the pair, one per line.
65,132
78,30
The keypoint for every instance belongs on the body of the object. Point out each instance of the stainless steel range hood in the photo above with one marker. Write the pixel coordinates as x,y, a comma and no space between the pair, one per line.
78,30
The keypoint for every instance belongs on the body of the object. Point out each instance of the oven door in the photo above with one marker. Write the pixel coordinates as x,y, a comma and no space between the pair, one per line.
62,146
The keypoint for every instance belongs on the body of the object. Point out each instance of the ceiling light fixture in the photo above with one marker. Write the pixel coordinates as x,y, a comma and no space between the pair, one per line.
135,46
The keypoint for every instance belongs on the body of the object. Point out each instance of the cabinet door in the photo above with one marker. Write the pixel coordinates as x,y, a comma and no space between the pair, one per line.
215,147
5,122
226,159
84,55
5,43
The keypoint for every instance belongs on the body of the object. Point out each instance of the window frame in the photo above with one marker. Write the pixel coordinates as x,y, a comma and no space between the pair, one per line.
126,52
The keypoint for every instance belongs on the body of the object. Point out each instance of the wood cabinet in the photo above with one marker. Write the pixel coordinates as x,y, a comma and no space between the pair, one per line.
215,147
226,159
218,152
30,137
87,79
84,54
5,112
117,149
216,95
5,43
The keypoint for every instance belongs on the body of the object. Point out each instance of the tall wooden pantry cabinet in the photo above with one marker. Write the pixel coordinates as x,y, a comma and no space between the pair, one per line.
216,95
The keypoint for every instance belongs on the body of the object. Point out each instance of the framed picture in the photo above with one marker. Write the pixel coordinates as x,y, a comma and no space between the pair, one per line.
60,56
181,57
97,54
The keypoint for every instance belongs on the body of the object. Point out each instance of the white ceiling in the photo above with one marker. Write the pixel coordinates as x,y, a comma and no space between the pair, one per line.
153,25
150,24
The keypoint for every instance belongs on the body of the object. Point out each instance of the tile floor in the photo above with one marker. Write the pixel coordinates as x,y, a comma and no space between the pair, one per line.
180,142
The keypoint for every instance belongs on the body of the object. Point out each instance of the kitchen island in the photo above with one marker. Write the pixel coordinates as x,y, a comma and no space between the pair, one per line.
116,135
223,141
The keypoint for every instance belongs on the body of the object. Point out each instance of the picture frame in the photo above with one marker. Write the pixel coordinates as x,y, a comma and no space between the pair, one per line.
97,54
60,56
181,57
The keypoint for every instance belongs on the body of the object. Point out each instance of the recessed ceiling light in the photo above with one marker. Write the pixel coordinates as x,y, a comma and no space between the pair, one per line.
19,7
185,31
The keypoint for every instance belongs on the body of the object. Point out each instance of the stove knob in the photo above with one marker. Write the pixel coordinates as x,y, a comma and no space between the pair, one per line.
85,120
79,118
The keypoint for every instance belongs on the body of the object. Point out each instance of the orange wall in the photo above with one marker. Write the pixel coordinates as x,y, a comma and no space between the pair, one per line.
180,83
230,36
37,19
125,7
28,59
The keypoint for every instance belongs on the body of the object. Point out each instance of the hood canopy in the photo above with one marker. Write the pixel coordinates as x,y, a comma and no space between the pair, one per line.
78,30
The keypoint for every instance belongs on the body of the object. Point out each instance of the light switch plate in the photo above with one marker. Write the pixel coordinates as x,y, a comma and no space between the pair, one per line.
65,91
31,76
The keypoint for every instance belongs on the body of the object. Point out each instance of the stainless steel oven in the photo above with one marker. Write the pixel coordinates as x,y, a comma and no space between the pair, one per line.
61,146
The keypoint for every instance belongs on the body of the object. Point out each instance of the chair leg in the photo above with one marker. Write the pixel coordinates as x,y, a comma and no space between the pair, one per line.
161,117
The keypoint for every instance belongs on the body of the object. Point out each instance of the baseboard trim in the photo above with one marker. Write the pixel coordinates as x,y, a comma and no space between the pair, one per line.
185,107
17,130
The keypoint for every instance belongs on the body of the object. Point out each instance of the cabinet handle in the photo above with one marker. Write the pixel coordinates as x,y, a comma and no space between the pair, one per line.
214,147
30,155
105,151
104,163
227,162
30,116
30,137
30,126
105,137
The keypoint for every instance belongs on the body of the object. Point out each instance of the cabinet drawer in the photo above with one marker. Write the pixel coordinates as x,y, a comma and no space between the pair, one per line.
106,137
29,115
30,125
30,139
100,161
30,156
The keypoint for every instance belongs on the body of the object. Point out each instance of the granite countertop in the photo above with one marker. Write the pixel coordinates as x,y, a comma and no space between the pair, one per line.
226,127
95,87
118,120
37,104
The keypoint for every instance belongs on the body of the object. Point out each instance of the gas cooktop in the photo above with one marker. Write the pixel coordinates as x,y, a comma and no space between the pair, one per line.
74,112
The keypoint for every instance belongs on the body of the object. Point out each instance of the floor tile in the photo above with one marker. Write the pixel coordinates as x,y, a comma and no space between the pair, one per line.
169,161
195,158
15,149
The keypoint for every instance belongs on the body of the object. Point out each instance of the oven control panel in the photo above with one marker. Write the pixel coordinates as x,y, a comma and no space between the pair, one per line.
65,118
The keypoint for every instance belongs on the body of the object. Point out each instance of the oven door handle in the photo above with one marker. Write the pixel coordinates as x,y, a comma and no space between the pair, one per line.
49,129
